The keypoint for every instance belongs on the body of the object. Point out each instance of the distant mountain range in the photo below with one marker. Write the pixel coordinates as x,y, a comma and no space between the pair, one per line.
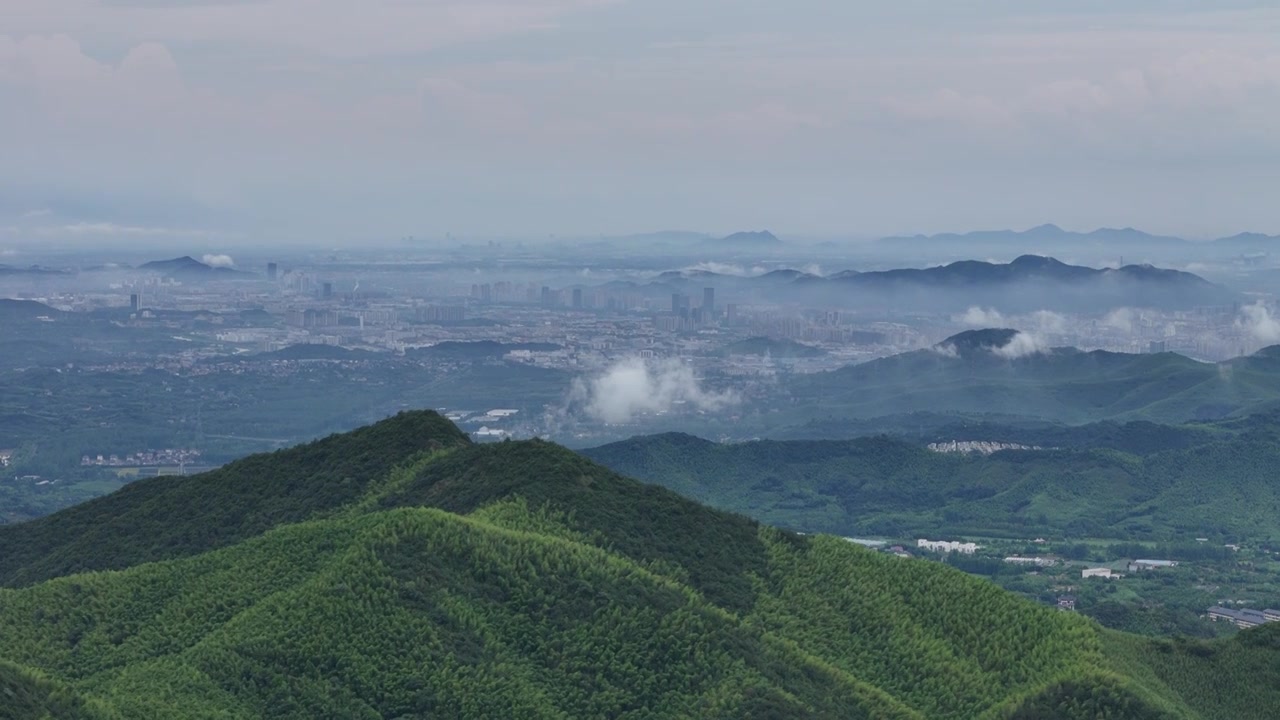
1028,283
188,268
10,270
1005,372
1052,235
1048,233
1042,239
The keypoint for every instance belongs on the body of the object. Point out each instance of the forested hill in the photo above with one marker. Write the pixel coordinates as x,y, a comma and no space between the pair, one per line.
889,486
162,518
401,571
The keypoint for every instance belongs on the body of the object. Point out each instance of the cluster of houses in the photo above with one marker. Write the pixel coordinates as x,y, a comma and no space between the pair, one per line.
965,548
1244,618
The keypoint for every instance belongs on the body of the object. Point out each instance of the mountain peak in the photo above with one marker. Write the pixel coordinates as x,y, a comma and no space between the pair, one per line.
752,237
1028,262
975,341
1046,229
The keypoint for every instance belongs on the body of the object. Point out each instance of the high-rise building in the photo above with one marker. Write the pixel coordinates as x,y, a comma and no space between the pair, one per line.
326,291
731,313
133,302
546,296
708,303
273,271
577,298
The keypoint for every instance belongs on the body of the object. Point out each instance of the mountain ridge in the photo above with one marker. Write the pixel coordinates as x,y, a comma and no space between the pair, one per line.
190,268
522,580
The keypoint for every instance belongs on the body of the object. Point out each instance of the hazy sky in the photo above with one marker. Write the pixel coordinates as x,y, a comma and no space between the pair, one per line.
349,119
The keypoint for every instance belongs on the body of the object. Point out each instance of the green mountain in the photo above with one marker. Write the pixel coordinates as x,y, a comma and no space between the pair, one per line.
889,486
400,571
1006,372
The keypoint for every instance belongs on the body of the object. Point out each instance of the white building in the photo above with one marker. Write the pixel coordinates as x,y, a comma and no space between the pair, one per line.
1098,573
947,546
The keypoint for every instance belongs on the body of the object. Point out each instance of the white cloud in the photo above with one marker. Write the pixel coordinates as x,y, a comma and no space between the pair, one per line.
946,350
218,260
721,268
981,318
1123,319
1257,320
1047,321
632,387
1021,345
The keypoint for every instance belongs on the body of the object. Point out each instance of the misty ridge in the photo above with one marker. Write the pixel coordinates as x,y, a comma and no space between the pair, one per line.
1024,285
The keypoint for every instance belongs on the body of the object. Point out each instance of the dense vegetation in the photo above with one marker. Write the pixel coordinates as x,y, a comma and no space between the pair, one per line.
882,485
24,694
402,572
161,518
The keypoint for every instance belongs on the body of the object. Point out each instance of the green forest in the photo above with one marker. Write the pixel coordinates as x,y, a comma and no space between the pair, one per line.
1151,489
400,571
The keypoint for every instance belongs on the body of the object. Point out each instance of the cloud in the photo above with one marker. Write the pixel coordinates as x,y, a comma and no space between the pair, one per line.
1123,319
982,318
946,350
633,387
1020,346
218,261
721,268
1047,321
1257,320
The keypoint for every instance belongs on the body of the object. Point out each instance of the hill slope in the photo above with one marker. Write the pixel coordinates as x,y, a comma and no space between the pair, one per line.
162,518
881,485
522,580
1005,372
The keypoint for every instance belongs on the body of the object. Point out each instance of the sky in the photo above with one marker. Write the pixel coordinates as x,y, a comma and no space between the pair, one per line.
336,121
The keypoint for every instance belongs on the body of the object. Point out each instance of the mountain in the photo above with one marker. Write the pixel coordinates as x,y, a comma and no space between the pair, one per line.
1032,282
1010,373
750,239
1041,238
188,268
1026,284
36,270
400,571
1138,481
1249,241
26,310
